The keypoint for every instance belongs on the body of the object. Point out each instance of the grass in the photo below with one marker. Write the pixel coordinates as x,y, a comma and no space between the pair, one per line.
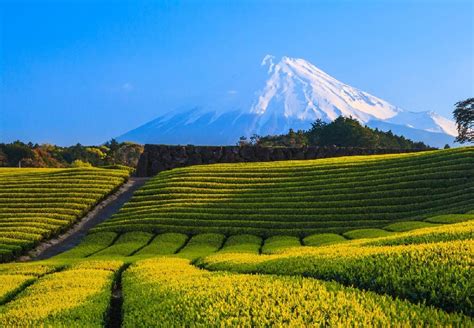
37,204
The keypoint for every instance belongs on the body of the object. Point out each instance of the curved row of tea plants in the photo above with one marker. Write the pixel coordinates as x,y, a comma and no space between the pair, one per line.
300,198
74,296
170,292
431,265
73,288
36,204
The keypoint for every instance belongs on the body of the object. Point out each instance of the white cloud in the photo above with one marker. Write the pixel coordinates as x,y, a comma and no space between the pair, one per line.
232,92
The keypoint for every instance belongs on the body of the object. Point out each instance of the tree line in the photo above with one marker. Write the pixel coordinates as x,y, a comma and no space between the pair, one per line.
19,154
342,132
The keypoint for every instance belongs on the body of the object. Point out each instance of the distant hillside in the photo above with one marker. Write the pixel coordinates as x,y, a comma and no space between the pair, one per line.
342,132
302,197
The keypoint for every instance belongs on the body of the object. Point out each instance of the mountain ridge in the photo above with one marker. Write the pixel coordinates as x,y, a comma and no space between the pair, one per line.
295,94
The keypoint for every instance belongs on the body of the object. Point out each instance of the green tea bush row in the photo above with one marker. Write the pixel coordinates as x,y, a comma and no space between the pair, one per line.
36,204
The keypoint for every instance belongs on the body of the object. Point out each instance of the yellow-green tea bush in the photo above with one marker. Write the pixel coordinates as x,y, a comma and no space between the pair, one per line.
301,198
126,245
202,245
366,233
438,274
91,244
242,244
78,296
278,244
164,244
171,293
36,204
322,239
408,226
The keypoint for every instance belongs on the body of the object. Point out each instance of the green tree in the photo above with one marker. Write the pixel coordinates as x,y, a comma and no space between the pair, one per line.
464,116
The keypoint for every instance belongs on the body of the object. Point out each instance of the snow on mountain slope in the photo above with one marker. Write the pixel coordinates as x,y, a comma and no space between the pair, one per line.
299,89
295,94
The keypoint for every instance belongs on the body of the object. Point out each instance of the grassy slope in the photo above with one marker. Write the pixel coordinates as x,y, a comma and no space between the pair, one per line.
36,204
300,198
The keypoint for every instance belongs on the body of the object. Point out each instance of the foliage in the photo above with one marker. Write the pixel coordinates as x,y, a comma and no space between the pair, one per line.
464,116
277,244
322,239
301,198
366,233
46,155
126,245
437,273
36,204
66,298
91,244
164,244
242,244
172,293
202,245
407,226
450,218
79,163
342,132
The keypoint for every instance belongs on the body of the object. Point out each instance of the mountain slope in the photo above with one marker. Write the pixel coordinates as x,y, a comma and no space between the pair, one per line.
295,94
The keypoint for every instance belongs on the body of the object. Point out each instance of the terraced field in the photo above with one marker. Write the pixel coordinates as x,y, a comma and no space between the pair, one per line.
413,268
36,204
300,198
422,277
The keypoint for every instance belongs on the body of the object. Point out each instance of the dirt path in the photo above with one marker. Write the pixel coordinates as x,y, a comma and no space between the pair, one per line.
73,236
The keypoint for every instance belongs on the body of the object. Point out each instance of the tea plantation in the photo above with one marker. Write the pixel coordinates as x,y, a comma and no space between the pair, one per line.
36,204
300,198
371,241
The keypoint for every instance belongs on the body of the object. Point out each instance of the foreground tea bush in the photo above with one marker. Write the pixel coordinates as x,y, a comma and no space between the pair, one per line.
202,245
301,198
78,296
171,293
278,244
242,244
323,239
91,244
438,274
126,245
36,204
164,244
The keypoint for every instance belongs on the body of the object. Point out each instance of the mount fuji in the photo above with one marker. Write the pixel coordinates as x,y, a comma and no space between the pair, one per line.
295,94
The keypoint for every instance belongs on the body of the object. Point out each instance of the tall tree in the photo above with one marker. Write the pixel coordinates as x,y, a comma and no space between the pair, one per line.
464,116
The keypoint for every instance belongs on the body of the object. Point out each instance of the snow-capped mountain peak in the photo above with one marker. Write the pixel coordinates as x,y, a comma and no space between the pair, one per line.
295,94
298,89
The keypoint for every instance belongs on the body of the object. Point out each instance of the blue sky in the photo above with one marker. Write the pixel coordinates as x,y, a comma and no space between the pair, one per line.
86,71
